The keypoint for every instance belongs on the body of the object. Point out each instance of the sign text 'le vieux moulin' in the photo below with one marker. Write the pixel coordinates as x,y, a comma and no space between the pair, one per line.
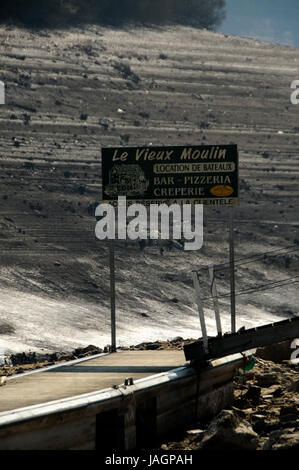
183,175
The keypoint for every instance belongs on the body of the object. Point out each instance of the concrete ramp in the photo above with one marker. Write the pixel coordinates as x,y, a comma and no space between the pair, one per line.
79,377
86,405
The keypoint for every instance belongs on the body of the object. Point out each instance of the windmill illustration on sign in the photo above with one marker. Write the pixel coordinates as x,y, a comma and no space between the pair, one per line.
126,180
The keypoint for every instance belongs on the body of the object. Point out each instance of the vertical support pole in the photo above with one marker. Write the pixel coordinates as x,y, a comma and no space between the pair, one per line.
112,295
200,311
232,269
215,300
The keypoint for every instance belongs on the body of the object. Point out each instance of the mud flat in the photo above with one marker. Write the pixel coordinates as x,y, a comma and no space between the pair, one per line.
71,92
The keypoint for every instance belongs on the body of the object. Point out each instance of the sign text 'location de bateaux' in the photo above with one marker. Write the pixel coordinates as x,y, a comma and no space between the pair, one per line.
207,174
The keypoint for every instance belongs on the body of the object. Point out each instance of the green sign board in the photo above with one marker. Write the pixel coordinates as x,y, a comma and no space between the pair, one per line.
184,175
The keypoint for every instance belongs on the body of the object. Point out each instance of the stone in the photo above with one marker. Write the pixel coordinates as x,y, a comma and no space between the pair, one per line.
228,432
2,380
195,432
243,413
286,439
275,352
289,412
273,391
266,380
294,386
253,393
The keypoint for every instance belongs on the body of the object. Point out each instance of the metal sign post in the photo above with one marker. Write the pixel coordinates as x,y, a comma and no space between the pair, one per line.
232,270
200,311
112,295
215,300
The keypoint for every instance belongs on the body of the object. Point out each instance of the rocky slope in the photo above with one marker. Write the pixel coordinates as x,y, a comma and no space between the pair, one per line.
264,415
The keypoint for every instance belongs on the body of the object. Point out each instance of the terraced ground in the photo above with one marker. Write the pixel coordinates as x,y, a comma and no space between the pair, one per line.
71,92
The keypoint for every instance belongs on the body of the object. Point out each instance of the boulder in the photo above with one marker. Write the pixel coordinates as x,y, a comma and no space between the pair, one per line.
228,432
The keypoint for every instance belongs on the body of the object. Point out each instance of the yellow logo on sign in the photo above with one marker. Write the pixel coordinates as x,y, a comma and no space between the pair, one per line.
222,190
